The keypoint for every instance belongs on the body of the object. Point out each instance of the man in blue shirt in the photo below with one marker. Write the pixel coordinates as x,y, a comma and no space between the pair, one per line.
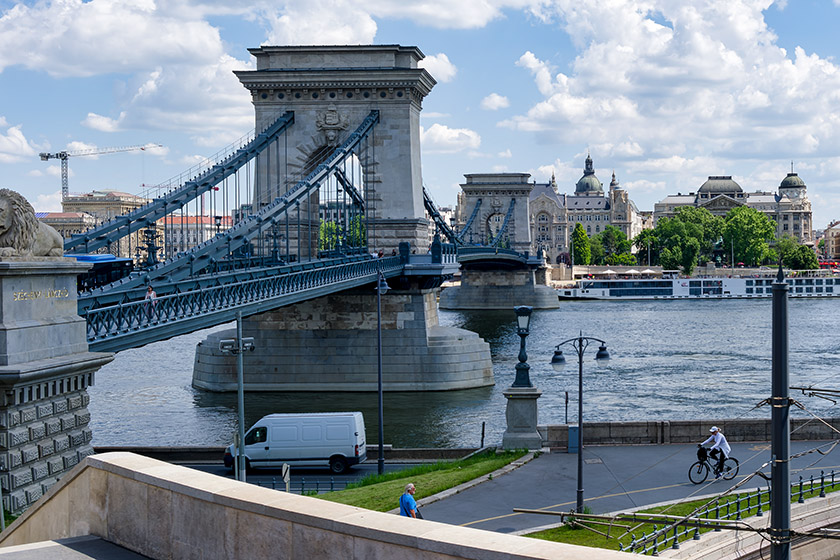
408,507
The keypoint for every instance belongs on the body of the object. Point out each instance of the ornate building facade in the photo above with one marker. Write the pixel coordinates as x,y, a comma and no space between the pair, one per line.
788,207
553,214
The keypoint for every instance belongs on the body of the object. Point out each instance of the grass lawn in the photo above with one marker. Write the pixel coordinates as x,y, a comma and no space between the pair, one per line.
382,493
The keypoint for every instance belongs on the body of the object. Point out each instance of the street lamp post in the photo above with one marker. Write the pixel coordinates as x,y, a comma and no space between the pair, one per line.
558,362
237,347
381,288
218,221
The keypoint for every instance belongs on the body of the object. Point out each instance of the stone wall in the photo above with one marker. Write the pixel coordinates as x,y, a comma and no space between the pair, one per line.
45,370
43,433
166,511
684,431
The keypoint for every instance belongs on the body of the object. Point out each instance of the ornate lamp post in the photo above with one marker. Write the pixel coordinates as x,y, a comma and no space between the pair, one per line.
521,413
558,362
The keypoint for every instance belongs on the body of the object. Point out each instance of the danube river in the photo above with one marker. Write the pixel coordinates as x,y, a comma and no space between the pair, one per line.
671,360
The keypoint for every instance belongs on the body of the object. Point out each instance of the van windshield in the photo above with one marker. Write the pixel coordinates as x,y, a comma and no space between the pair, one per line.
256,435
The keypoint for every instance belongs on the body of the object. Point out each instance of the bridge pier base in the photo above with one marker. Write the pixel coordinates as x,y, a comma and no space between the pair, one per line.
45,370
329,344
498,289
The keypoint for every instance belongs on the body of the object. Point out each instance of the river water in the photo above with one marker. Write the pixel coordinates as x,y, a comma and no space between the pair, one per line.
671,360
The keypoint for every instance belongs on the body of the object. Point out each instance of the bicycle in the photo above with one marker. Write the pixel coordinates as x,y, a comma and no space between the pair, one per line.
699,471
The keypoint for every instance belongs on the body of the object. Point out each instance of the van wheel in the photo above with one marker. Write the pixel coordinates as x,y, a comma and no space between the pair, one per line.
338,465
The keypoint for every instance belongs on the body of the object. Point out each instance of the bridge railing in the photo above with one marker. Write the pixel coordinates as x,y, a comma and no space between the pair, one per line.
473,250
127,319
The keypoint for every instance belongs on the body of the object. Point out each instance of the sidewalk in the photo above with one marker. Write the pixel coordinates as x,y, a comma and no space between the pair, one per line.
616,478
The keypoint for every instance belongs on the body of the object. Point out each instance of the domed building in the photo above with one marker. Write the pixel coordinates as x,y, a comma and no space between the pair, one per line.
554,214
788,207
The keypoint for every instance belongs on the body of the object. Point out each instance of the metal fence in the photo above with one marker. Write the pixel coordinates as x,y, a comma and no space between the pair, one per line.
745,504
305,487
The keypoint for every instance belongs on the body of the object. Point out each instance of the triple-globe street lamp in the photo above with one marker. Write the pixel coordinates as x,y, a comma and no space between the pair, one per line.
558,362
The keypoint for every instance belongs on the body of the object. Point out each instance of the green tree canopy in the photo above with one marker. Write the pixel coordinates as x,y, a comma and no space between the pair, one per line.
644,242
748,232
610,246
796,256
580,245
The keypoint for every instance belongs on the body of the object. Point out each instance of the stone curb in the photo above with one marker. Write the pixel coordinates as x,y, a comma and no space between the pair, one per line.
475,482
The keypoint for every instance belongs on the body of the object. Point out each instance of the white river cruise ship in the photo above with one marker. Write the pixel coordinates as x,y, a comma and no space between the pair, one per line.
812,283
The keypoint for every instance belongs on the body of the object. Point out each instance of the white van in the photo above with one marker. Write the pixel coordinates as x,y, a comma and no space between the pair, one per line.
334,439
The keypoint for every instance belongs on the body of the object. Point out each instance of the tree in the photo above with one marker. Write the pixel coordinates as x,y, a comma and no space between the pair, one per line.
610,246
710,227
327,235
796,256
646,243
806,259
748,232
597,253
580,245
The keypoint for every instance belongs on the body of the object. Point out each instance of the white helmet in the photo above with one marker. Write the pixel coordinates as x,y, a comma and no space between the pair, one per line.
714,429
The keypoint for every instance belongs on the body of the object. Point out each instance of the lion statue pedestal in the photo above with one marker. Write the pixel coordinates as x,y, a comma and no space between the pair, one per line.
45,365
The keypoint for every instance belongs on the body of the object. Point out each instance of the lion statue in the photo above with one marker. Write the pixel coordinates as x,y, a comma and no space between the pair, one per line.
21,233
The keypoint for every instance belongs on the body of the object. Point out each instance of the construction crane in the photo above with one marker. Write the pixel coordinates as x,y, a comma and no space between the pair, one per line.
63,156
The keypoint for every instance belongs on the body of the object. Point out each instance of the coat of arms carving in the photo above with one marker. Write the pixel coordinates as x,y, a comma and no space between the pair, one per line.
330,122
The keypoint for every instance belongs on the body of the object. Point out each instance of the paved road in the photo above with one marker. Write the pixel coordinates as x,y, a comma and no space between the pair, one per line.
615,478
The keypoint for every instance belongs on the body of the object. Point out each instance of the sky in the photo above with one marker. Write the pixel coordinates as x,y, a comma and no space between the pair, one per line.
663,92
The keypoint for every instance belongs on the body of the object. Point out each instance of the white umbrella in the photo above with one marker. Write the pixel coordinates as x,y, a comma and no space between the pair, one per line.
609,271
648,271
632,271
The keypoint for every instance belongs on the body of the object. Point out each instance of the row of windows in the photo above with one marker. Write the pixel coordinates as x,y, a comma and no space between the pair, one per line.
798,290
799,282
544,218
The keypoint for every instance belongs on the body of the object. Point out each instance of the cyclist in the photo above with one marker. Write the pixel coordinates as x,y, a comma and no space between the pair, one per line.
720,448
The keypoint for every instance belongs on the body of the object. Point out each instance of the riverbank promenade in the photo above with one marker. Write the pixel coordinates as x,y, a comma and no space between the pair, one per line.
616,478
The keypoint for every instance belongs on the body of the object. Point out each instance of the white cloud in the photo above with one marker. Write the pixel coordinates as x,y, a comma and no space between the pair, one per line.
319,22
439,66
104,124
494,102
505,154
47,202
701,80
14,146
445,14
441,138
55,171
99,36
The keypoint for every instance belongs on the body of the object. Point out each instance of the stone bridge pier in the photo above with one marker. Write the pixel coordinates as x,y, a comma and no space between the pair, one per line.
330,344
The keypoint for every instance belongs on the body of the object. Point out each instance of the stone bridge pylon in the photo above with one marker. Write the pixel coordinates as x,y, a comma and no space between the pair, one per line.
331,90
494,212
